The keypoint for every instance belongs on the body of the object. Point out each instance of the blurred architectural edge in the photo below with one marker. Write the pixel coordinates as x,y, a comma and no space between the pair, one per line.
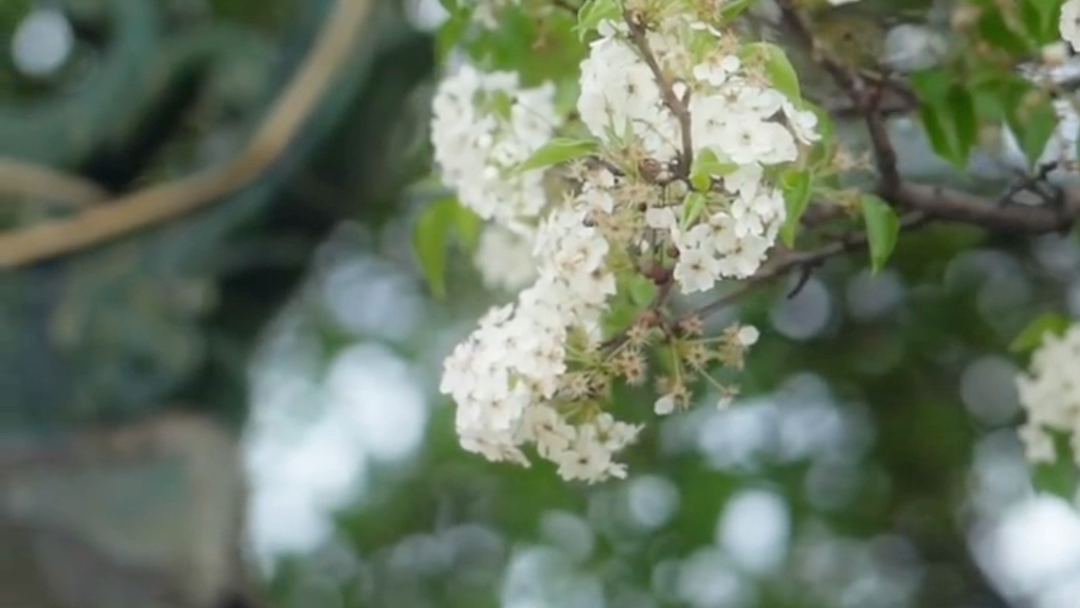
143,516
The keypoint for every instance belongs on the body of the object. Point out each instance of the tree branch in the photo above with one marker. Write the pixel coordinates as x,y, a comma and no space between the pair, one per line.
26,179
679,107
780,267
937,203
158,203
945,204
867,101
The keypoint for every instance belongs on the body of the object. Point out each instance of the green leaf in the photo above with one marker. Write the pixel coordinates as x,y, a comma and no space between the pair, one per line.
641,290
882,229
948,115
965,124
706,166
797,187
733,8
1040,19
994,29
593,12
1061,476
940,139
932,85
1034,129
821,151
452,31
559,150
467,225
778,68
1032,335
692,208
443,219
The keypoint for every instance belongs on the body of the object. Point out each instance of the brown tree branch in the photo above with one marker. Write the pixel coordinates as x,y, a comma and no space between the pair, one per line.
937,203
156,204
866,99
781,266
27,179
678,106
945,204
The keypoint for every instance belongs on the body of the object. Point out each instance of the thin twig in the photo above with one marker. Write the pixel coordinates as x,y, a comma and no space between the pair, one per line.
156,204
1031,183
884,152
801,260
866,101
937,203
955,206
678,106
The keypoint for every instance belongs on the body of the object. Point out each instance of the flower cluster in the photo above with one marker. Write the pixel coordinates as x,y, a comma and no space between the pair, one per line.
537,373
484,125
504,259
1050,394
634,86
510,376
1069,23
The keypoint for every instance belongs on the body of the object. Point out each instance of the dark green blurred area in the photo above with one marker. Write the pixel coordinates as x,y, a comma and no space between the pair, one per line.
166,320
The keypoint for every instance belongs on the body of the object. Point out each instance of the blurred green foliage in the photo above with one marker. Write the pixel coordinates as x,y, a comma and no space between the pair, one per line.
171,313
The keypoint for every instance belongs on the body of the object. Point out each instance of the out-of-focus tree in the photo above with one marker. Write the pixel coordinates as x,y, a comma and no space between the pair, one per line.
851,224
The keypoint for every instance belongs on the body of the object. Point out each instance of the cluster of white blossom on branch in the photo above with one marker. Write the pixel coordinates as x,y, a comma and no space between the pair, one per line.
1050,394
1050,390
661,97
689,154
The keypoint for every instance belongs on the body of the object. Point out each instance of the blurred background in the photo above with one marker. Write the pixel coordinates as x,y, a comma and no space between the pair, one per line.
238,405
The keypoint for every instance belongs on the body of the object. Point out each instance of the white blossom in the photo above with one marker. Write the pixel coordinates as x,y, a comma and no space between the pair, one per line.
484,125
1069,23
745,123
1050,394
504,259
526,379
664,405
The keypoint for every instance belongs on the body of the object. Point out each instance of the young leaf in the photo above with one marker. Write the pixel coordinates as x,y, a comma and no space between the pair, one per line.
778,68
692,208
1040,20
451,31
1058,477
931,85
441,220
796,185
467,226
1034,129
965,124
882,229
593,12
994,29
733,8
559,150
1032,335
706,165
940,138
641,290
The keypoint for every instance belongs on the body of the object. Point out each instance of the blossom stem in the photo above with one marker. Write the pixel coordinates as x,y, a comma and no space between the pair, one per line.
678,106
802,259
